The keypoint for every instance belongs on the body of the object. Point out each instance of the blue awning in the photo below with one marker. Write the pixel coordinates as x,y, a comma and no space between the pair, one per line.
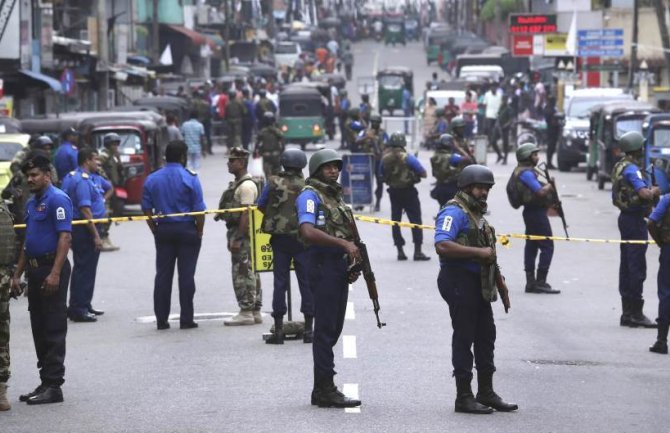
53,83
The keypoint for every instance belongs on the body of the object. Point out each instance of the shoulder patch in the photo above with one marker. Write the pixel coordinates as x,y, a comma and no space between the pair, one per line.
72,173
85,175
191,172
446,224
310,205
60,214
74,147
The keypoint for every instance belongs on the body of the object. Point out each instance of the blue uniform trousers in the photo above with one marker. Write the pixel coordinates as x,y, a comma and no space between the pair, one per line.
664,285
176,242
284,249
48,320
443,192
537,223
633,265
471,319
328,278
85,267
406,199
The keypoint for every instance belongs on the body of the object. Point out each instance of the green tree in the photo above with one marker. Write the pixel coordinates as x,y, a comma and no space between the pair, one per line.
488,12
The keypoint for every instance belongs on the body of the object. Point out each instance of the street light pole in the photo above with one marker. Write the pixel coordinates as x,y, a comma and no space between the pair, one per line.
633,45
226,34
103,57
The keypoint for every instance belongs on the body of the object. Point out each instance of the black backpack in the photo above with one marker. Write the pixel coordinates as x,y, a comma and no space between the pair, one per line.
513,193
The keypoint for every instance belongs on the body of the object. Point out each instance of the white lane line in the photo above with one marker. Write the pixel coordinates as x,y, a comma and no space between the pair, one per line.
349,346
196,316
350,314
351,391
351,287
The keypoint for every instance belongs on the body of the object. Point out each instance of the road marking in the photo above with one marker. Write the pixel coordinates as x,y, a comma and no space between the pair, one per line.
351,391
350,314
197,317
349,346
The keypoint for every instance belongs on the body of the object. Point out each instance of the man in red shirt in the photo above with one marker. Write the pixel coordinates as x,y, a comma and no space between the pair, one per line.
451,110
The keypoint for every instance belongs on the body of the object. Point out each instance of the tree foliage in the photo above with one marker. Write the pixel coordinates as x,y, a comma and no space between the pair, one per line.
488,11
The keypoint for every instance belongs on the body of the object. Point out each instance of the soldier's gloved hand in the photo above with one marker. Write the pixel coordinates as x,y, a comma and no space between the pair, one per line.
16,289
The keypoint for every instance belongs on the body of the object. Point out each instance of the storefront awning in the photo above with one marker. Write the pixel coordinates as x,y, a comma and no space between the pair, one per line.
195,37
51,82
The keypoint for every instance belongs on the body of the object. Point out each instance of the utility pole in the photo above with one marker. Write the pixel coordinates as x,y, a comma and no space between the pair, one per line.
660,14
103,57
226,34
155,23
633,45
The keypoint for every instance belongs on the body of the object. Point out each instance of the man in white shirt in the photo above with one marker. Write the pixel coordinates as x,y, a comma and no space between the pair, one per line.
493,101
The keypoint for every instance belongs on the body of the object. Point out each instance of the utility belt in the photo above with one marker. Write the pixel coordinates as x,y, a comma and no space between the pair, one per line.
45,260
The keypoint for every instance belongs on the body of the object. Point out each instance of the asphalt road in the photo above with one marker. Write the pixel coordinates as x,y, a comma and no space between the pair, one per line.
562,358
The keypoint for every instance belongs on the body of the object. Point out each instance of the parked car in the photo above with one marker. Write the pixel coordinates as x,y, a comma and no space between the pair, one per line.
287,53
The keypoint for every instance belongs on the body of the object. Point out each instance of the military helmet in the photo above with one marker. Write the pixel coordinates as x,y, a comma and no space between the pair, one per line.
439,112
238,153
110,138
232,94
365,97
321,157
397,139
262,93
475,174
344,93
354,112
524,152
446,141
41,142
457,122
631,141
293,158
269,116
69,131
375,118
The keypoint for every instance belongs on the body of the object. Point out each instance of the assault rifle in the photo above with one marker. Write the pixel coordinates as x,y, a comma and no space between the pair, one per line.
652,174
365,268
557,201
491,272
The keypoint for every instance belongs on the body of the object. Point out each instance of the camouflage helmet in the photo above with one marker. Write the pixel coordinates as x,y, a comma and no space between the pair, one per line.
262,93
397,139
631,141
293,158
457,122
446,141
238,153
475,174
110,138
524,152
41,142
365,97
376,118
354,112
439,112
232,94
269,116
321,157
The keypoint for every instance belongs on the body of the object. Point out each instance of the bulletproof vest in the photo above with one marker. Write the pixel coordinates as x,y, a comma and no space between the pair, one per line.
270,140
624,195
397,174
332,214
266,105
479,234
110,167
234,110
8,239
524,194
228,201
373,142
349,134
664,228
280,214
443,171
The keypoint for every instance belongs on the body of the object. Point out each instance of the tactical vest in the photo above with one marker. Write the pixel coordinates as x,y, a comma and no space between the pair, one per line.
332,215
8,238
443,171
397,174
527,197
624,195
664,228
373,142
234,110
228,201
111,168
280,215
480,235
270,141
266,105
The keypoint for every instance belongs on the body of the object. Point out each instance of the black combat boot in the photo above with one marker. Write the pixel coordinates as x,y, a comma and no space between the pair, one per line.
625,313
38,390
661,345
465,400
418,255
530,282
487,396
308,336
277,337
50,394
541,282
326,394
637,317
401,253
377,205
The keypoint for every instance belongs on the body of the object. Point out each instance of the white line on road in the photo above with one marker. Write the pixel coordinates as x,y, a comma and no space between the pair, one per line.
350,314
349,346
351,391
196,316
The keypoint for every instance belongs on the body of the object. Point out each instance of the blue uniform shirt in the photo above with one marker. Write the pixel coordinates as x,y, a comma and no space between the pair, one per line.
46,217
102,185
413,163
455,159
633,176
442,126
385,137
65,160
307,205
451,222
529,178
80,187
660,209
172,189
263,199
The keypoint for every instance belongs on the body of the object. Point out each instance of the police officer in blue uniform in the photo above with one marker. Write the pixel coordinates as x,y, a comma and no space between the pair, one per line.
401,171
88,203
467,281
659,229
44,258
324,227
634,198
65,159
174,189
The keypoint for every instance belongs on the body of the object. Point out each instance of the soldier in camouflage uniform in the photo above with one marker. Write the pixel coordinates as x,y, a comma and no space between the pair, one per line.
235,112
241,192
270,145
401,171
446,165
8,254
373,140
112,170
352,127
277,202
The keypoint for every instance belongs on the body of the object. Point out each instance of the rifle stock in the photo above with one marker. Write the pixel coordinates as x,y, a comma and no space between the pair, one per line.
557,202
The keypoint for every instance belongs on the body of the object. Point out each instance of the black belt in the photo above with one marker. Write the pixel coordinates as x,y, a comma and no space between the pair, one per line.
45,260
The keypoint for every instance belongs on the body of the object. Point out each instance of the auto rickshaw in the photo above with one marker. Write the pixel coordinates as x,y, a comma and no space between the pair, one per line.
50,126
166,104
338,80
412,28
394,31
613,122
391,83
656,131
434,43
302,114
9,125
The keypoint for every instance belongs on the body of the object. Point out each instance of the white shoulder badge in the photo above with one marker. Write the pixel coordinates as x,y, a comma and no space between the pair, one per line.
639,174
60,214
310,206
446,224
